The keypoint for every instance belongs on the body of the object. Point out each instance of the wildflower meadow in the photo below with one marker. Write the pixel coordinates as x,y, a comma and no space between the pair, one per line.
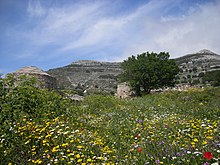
170,128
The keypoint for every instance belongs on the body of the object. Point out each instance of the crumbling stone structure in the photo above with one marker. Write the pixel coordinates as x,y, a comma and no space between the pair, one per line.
46,80
124,91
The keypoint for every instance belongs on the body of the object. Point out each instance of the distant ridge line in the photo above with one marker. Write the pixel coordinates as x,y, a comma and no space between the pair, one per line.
206,51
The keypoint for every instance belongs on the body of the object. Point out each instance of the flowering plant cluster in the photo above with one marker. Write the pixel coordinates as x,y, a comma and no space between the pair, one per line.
168,128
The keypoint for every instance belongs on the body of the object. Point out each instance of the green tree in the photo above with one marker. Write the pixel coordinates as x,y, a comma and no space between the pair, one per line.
149,71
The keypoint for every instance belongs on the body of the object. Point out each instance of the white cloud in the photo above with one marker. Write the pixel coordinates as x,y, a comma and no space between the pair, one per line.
101,32
181,34
35,8
196,31
122,29
148,28
65,24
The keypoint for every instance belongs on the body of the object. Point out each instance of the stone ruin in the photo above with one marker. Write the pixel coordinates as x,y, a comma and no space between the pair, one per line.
46,80
124,91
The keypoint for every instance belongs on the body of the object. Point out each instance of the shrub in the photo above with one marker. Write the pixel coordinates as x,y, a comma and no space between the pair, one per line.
23,99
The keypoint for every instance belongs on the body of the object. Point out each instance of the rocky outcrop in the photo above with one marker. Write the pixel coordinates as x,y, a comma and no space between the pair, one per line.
46,80
76,97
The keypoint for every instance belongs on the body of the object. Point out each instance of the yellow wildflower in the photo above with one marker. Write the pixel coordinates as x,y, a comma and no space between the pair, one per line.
78,156
54,149
79,147
89,160
38,161
65,144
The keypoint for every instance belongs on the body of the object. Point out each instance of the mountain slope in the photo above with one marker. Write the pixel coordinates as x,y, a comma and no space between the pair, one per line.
88,75
102,76
194,65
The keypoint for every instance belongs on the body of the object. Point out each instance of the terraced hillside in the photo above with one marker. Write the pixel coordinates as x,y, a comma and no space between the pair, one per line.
194,65
89,75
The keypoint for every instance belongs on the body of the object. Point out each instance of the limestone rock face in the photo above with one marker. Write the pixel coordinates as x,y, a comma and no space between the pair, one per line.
47,80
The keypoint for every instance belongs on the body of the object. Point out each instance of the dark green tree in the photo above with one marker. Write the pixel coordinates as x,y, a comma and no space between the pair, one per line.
149,71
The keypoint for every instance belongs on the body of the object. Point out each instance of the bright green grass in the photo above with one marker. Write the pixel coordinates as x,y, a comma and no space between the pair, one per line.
168,128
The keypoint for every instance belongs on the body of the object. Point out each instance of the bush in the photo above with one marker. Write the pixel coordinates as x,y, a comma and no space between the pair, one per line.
213,77
23,99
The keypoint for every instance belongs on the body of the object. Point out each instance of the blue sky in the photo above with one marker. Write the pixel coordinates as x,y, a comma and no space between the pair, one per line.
54,33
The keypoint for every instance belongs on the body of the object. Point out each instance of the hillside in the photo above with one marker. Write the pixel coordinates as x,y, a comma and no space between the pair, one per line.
102,76
88,75
194,65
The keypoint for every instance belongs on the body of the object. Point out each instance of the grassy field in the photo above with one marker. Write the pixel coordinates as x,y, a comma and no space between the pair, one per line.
167,128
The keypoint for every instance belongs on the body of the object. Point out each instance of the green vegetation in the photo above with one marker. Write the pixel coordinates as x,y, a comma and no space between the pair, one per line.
149,71
213,77
41,127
